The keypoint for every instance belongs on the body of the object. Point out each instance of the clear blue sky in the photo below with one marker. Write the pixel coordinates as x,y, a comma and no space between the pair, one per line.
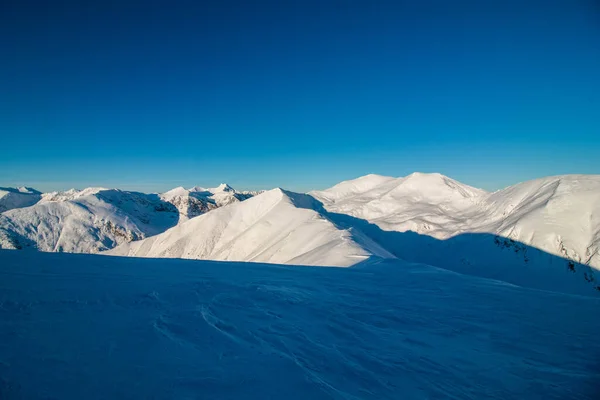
148,95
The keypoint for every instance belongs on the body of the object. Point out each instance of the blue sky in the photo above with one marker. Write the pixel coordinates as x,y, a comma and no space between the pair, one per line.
149,95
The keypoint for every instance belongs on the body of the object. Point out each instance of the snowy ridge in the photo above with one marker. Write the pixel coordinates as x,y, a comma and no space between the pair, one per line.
86,221
17,197
543,233
276,226
465,229
96,219
560,215
71,194
423,203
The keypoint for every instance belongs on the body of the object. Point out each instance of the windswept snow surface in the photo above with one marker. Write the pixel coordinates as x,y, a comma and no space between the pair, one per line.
560,214
74,326
18,197
276,227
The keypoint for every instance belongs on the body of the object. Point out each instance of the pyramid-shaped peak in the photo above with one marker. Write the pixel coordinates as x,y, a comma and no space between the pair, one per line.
223,187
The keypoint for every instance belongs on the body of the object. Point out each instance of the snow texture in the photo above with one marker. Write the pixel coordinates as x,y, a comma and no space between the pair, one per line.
84,326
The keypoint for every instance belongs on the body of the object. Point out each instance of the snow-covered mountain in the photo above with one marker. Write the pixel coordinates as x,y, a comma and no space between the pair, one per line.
276,226
198,200
543,233
71,194
96,219
425,203
86,221
346,227
560,215
17,197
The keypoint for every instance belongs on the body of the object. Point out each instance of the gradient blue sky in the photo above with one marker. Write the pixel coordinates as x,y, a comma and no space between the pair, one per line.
149,95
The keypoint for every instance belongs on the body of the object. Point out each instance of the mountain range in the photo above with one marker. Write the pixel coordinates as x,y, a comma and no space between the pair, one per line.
560,214
543,233
96,219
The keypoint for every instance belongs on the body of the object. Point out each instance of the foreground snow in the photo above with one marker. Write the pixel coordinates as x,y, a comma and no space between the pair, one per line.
108,327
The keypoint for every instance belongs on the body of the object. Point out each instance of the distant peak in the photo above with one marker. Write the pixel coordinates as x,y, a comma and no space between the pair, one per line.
366,180
178,191
276,190
22,190
372,177
425,175
427,178
435,184
25,189
223,187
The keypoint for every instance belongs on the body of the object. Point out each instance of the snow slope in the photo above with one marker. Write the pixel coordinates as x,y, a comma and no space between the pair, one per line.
290,228
125,328
16,198
560,215
197,200
276,226
87,221
423,203
96,219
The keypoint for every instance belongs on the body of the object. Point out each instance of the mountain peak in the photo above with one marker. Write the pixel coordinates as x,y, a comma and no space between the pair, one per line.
424,179
418,174
178,191
21,190
435,187
276,226
353,187
223,187
28,190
